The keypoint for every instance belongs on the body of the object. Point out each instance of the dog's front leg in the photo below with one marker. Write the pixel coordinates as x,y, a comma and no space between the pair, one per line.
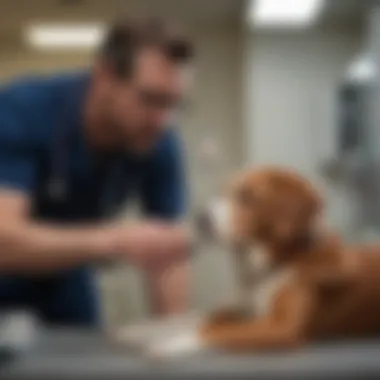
258,334
237,310
285,326
191,340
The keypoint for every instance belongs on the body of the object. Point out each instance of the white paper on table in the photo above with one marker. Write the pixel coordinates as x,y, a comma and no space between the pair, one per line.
147,333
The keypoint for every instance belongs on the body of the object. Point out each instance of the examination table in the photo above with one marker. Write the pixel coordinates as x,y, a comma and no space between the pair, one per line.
68,354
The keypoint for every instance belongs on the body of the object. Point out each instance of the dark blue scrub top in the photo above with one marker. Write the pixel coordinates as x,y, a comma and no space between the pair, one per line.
41,143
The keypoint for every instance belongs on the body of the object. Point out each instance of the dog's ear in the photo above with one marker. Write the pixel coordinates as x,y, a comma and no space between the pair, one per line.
295,208
297,215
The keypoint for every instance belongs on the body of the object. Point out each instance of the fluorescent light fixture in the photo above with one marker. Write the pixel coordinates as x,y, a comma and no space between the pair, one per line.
284,13
64,36
362,70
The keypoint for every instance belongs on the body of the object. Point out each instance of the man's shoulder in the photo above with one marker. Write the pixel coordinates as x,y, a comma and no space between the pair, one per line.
36,89
29,105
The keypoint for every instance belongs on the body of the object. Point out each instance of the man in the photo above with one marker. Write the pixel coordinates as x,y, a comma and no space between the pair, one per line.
73,146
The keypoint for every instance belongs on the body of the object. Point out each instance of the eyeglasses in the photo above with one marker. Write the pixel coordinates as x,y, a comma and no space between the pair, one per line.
162,101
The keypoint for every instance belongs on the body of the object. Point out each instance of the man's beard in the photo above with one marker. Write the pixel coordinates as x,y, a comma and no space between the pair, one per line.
144,143
140,143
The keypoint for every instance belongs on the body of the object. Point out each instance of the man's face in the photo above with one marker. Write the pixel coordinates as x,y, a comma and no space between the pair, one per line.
141,106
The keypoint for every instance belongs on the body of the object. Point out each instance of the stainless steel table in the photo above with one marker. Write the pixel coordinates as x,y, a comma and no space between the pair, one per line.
85,354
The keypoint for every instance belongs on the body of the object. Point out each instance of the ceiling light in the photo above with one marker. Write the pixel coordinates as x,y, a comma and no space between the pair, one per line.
284,13
362,70
64,36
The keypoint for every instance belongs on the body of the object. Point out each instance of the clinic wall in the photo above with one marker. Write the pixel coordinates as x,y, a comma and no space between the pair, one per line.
372,48
290,106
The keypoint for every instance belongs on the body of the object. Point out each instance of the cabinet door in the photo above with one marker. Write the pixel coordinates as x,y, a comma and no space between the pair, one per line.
358,147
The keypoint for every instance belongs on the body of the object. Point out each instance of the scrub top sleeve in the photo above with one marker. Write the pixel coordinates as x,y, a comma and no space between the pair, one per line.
17,160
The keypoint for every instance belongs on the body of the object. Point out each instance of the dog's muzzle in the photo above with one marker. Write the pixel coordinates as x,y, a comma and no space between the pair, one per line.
213,221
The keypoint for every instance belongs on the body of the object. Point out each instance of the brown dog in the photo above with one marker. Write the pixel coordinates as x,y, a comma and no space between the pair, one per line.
298,284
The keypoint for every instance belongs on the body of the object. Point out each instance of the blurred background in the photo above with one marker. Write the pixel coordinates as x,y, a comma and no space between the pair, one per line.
294,85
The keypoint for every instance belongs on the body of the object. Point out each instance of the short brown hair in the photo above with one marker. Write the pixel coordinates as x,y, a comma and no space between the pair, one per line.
128,36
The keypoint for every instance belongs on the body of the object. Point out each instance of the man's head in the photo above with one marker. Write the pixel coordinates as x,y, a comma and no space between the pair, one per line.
140,77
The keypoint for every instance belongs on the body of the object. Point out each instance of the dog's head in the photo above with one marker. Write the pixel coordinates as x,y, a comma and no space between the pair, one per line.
269,207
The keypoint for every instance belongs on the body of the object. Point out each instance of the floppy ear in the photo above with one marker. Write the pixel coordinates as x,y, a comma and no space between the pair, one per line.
334,280
296,215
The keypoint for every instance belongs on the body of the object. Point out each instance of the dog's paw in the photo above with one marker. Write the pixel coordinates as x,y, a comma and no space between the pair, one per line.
175,347
223,316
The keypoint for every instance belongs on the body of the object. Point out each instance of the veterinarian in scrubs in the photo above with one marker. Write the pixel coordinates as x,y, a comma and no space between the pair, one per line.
73,147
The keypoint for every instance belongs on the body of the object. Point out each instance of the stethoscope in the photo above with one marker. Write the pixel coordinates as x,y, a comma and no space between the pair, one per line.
57,187
58,180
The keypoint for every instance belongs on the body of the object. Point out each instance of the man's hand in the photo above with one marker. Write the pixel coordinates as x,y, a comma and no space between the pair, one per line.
161,250
27,246
147,244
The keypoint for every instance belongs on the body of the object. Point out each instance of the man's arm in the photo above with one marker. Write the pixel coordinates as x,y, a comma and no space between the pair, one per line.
29,246
164,197
26,245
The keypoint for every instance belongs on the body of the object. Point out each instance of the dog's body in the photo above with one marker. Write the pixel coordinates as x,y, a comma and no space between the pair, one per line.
298,284
341,291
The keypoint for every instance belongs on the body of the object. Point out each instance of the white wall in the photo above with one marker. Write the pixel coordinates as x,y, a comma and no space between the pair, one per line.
290,107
